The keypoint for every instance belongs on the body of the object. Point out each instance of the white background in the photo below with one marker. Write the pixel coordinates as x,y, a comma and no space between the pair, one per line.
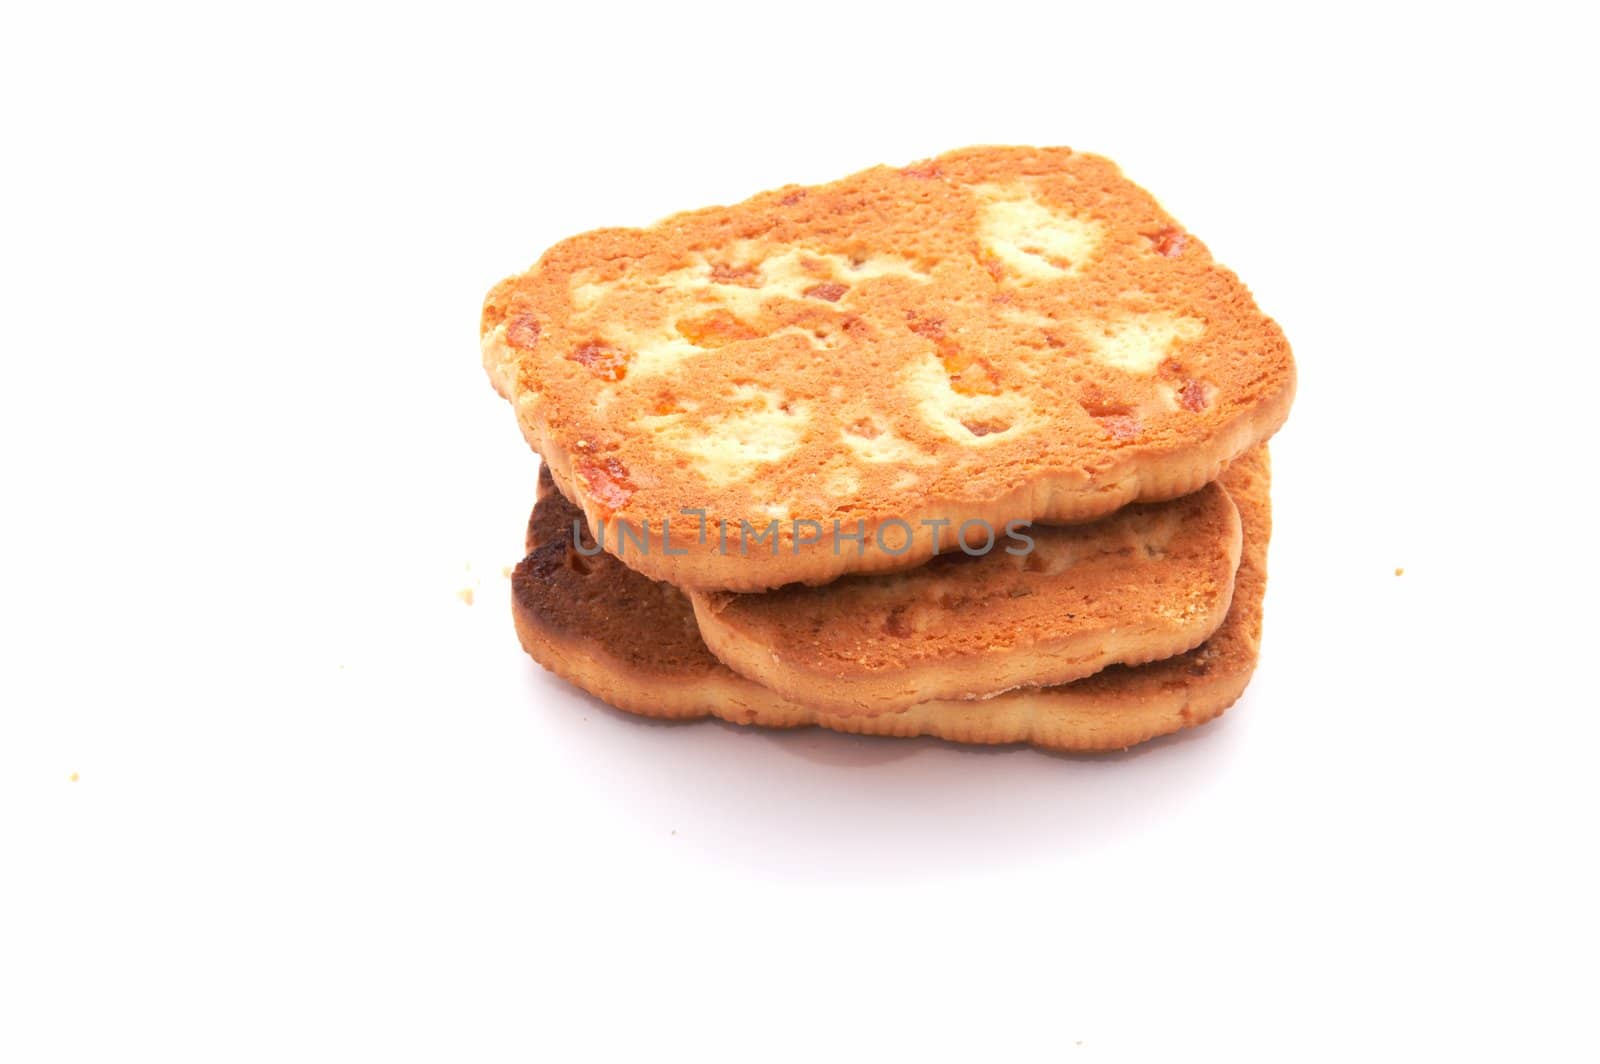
324,810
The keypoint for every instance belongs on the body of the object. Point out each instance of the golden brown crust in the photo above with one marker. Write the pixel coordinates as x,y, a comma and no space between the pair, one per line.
585,637
997,334
1145,583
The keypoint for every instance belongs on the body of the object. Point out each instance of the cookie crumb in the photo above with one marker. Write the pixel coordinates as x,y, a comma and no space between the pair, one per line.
505,571
1398,571
465,595
72,778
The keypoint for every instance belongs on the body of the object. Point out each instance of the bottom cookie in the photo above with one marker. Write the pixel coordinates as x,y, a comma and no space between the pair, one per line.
634,643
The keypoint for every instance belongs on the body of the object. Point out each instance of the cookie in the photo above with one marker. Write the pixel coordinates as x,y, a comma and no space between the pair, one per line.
1054,604
769,393
634,643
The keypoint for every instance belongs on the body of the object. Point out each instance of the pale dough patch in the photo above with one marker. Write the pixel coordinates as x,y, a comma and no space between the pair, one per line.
979,420
781,272
726,448
1139,343
883,447
1036,242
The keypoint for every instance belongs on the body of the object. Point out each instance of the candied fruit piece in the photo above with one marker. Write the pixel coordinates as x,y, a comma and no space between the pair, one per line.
1120,426
985,427
522,331
972,377
725,273
608,482
832,291
1192,396
715,329
1168,242
925,325
603,360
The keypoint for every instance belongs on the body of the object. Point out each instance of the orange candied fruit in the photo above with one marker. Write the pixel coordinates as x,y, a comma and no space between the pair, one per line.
603,360
608,482
1168,242
715,329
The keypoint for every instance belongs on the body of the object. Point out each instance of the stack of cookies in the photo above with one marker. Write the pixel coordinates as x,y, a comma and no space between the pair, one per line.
973,449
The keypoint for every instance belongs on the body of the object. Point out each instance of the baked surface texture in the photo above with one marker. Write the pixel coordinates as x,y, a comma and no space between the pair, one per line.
1150,581
995,334
633,643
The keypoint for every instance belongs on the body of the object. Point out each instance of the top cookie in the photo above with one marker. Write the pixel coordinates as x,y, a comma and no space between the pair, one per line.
834,379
